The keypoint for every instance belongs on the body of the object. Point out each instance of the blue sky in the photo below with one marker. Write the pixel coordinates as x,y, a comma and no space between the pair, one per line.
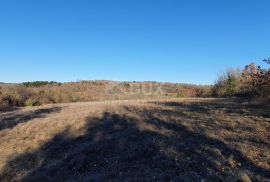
188,41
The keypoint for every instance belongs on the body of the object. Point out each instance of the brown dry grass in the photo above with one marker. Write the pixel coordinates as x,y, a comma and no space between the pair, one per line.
96,91
172,140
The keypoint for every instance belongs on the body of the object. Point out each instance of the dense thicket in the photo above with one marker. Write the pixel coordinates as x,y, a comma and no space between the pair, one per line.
253,82
39,83
36,93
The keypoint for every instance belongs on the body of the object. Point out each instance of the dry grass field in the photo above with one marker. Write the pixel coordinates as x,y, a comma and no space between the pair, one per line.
165,140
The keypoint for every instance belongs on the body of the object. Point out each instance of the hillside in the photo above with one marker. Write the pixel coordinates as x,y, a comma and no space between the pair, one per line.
3,83
162,140
39,93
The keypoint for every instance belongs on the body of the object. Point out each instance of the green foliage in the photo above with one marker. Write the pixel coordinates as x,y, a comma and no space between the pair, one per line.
40,83
116,97
180,95
226,85
231,85
253,82
31,102
125,84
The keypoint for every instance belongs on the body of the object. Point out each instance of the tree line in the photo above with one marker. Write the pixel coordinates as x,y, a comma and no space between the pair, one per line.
252,82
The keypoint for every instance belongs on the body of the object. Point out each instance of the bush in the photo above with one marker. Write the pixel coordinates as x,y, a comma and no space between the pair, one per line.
231,89
49,92
40,83
253,83
228,84
9,101
180,95
256,81
31,102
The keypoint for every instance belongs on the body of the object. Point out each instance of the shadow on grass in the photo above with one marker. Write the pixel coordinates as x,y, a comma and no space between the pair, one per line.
10,121
4,109
118,147
230,106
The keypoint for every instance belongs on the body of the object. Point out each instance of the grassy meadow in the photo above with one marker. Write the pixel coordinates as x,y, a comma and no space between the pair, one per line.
185,139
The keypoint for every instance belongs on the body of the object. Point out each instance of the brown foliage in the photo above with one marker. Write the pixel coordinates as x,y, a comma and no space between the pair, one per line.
256,81
99,91
253,82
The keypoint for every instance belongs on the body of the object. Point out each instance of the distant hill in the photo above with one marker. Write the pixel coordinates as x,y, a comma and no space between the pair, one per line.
3,83
42,92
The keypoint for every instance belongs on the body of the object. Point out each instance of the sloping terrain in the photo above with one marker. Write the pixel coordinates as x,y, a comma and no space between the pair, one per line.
172,140
40,93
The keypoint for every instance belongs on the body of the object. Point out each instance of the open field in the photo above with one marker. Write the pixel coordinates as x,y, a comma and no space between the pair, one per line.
172,140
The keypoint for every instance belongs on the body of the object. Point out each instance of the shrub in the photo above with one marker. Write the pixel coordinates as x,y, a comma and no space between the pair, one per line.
31,102
253,82
180,95
48,92
228,84
231,89
256,81
9,101
39,83
3,107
